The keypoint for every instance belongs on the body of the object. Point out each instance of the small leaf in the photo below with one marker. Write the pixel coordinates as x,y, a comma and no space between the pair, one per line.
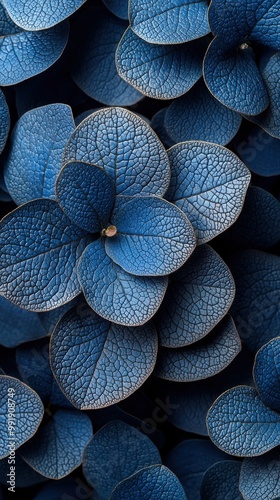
182,20
266,373
126,147
116,452
35,157
21,411
159,71
58,447
260,477
240,424
154,237
5,121
221,481
150,483
120,9
39,249
97,363
208,182
202,359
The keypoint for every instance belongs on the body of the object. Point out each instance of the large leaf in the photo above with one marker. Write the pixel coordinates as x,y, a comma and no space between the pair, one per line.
154,237
150,483
260,477
183,20
35,156
97,363
267,373
116,452
208,182
221,481
58,447
202,359
126,147
159,71
240,424
21,412
39,250
115,294
198,296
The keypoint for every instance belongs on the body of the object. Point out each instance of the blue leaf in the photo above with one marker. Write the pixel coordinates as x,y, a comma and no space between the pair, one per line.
266,373
25,476
159,71
120,9
150,483
221,481
202,359
68,488
97,363
198,296
209,183
40,14
198,116
240,424
174,21
260,477
58,446
26,53
113,293
153,237
126,147
49,319
256,309
35,157
39,250
5,121
189,460
21,411
94,69
158,126
86,194
17,325
116,452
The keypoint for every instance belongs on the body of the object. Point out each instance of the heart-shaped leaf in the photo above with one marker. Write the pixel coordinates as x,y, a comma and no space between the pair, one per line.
240,424
58,447
126,147
266,373
198,296
35,157
221,481
260,477
182,20
115,294
39,250
159,71
208,182
120,9
105,362
21,412
116,452
202,359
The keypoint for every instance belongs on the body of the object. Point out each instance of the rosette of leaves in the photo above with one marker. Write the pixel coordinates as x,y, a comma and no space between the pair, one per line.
114,222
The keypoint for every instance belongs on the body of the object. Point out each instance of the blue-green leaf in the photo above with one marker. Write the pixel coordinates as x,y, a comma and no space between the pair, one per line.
266,373
221,481
260,477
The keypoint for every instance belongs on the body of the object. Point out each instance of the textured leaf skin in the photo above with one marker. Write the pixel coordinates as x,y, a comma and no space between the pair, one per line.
202,359
115,294
17,325
182,20
199,294
25,476
159,71
189,460
26,53
116,452
120,9
106,362
86,194
39,249
197,115
266,373
28,412
260,477
208,182
5,121
154,237
221,481
256,305
157,124
49,319
40,14
58,447
35,157
240,424
117,137
94,69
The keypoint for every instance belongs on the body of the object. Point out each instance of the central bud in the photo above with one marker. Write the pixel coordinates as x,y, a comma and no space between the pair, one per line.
110,231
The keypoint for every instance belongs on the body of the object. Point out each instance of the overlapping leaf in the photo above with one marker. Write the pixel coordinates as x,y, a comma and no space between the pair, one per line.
221,481
5,121
25,475
120,9
260,477
266,373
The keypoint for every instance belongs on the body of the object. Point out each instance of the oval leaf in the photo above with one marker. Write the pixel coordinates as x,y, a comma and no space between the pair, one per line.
260,477
221,481
208,182
105,362
266,373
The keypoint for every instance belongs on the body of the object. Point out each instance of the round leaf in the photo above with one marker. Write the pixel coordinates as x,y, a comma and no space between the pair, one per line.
266,373
260,477
221,481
